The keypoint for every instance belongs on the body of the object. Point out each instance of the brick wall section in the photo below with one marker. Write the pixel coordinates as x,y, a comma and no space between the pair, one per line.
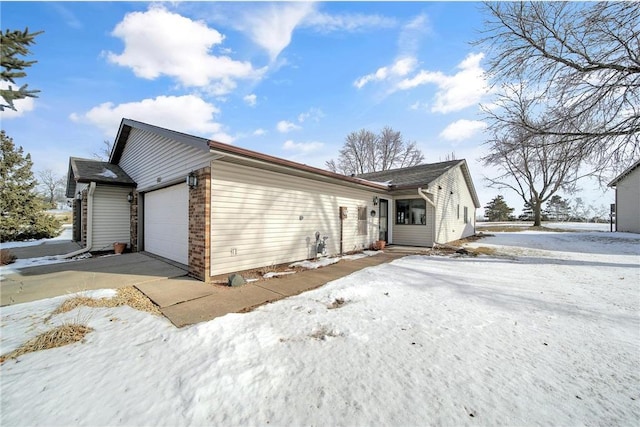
84,219
200,226
133,212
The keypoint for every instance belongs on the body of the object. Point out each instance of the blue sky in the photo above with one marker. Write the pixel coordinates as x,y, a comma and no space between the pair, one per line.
287,79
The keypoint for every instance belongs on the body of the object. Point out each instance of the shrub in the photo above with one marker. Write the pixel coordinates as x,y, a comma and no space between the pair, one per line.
6,257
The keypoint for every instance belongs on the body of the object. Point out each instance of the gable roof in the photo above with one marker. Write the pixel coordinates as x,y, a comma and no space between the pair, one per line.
620,177
411,177
227,150
421,176
87,170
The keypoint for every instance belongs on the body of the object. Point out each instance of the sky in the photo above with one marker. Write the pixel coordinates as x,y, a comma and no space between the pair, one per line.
286,79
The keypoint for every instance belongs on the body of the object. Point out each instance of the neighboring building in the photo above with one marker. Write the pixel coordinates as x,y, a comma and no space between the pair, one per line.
218,208
627,186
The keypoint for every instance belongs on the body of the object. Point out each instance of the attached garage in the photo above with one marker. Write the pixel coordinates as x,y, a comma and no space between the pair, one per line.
166,223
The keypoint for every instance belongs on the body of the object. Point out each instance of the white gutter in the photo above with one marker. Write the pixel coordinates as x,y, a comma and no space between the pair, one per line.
424,196
87,248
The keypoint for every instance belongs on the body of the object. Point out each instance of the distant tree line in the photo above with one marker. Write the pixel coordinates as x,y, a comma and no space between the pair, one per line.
557,209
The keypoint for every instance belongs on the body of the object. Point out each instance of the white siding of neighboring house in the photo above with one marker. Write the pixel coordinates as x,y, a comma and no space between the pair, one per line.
451,226
256,213
408,234
628,202
111,217
152,160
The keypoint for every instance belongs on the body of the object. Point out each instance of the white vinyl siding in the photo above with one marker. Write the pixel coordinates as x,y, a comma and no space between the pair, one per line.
412,235
151,160
628,202
111,217
166,223
260,217
451,195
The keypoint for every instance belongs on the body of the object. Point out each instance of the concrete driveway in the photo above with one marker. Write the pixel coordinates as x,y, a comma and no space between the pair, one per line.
116,271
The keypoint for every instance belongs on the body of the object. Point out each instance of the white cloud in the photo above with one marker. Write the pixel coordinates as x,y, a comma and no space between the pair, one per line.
314,114
158,42
400,68
223,137
456,92
351,22
22,106
302,147
285,126
259,132
462,129
412,32
251,99
188,113
271,26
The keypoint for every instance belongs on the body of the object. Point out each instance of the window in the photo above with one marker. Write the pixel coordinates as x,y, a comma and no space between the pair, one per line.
411,211
466,215
362,220
458,211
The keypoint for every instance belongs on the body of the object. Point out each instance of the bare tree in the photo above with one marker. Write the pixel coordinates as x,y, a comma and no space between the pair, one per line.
533,166
581,65
104,153
364,151
50,185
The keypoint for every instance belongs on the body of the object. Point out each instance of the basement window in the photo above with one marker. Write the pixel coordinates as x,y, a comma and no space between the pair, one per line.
362,220
411,212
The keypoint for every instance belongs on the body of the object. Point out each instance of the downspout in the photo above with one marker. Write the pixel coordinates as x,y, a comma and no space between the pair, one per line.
424,196
429,201
87,248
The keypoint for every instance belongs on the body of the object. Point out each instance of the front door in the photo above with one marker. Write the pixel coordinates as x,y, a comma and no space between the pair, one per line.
384,220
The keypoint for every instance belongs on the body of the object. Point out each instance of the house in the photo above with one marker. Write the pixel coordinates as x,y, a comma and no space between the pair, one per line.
217,208
627,186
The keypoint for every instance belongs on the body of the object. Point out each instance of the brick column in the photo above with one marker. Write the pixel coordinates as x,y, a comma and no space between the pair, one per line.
200,226
83,241
133,221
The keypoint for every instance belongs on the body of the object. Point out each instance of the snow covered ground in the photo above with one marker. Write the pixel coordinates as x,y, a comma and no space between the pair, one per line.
546,332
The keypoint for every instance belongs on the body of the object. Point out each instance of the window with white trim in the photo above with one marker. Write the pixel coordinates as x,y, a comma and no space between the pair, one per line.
411,212
362,220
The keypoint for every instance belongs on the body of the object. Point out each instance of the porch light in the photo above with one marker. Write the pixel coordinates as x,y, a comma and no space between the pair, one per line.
375,200
130,197
192,180
79,196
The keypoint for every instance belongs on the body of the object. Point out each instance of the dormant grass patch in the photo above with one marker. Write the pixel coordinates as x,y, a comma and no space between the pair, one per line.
75,331
67,333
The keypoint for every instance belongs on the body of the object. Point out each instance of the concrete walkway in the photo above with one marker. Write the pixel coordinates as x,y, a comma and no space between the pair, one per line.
45,249
185,301
107,272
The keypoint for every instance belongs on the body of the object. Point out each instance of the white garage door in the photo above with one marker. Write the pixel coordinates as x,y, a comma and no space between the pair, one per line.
166,223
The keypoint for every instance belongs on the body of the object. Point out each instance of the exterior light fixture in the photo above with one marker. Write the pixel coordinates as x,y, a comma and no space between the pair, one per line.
192,180
130,197
375,200
79,196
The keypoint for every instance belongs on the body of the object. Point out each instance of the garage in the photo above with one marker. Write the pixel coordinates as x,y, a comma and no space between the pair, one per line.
166,223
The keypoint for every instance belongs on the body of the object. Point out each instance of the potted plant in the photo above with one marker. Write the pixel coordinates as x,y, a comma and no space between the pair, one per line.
119,248
379,245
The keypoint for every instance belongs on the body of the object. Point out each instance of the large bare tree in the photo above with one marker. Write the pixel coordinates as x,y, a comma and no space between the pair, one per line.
104,152
51,185
579,64
364,152
534,166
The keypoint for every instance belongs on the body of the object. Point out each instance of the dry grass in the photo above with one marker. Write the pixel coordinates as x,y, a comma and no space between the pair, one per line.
67,333
481,250
6,257
126,296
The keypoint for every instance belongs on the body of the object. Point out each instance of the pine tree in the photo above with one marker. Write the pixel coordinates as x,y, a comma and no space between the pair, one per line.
498,210
15,43
22,213
557,209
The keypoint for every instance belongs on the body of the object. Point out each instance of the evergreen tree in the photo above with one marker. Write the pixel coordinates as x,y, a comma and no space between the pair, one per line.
22,213
498,210
14,44
557,209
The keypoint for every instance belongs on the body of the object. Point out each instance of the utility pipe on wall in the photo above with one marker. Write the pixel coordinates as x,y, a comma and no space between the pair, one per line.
87,248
